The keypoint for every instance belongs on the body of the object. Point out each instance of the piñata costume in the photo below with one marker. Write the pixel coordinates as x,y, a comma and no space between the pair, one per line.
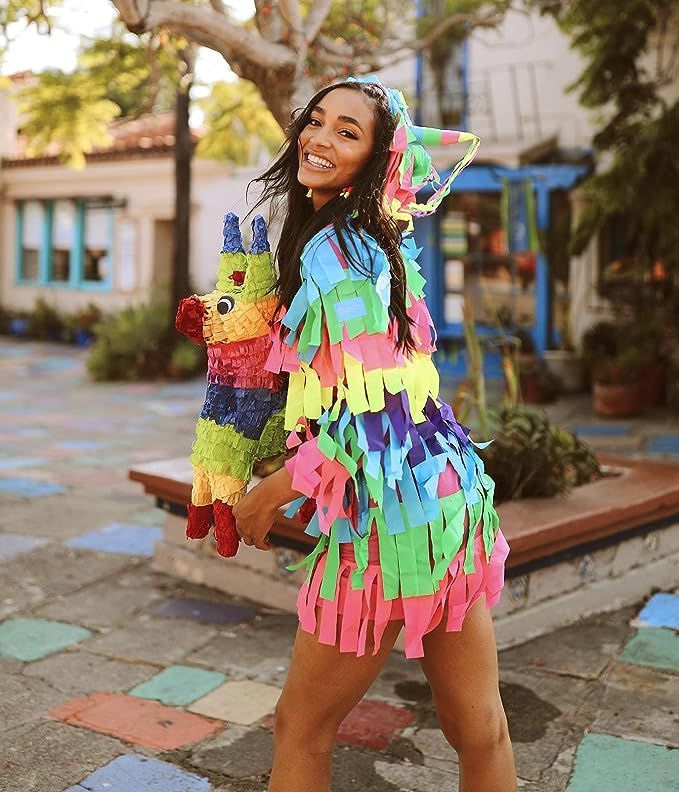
242,418
395,478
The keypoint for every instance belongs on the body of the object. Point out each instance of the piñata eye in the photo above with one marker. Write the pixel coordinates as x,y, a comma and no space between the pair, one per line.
225,304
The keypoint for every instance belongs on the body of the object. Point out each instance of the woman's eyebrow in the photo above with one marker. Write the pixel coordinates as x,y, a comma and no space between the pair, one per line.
349,119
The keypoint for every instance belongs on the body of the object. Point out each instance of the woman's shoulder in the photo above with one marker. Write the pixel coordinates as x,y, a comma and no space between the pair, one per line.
358,253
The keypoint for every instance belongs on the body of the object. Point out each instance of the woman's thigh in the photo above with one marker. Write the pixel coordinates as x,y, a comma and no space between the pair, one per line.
462,669
323,684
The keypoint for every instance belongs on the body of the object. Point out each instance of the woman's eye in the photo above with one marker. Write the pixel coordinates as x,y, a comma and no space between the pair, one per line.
225,304
314,122
348,134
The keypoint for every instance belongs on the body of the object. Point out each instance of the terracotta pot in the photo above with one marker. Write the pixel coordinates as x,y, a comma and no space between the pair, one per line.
653,384
529,382
617,401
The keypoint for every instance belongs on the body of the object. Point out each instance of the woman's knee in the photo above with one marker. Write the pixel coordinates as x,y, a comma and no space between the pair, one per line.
293,726
478,728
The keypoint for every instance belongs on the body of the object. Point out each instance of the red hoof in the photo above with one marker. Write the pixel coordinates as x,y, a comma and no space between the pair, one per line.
199,522
225,530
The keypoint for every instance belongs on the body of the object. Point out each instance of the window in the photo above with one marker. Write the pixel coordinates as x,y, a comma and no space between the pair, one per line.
30,237
63,232
64,242
96,259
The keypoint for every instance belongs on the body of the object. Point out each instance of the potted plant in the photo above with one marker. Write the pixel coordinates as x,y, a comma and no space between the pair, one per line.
18,324
82,324
564,362
617,388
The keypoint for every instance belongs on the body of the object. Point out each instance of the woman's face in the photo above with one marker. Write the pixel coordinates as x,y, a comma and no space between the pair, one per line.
336,144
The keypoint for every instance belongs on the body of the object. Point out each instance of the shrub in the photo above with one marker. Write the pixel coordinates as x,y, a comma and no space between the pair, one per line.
134,344
45,322
188,359
529,457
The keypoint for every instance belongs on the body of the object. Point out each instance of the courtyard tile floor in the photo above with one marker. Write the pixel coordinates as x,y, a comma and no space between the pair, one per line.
115,678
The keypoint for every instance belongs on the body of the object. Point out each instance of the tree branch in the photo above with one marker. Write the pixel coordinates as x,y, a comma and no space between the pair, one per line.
206,28
491,19
315,18
292,16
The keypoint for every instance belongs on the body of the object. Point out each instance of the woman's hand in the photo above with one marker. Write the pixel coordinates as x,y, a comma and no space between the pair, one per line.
256,511
254,517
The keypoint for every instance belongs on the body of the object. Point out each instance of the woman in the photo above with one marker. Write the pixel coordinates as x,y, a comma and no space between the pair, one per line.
390,480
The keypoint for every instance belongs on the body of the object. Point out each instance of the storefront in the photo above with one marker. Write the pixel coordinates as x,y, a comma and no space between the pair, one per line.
480,250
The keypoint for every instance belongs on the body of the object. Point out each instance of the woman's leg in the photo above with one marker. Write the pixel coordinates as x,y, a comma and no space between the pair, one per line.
462,670
322,687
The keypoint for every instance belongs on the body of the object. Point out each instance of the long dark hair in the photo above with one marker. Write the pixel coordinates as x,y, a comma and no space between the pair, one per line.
363,210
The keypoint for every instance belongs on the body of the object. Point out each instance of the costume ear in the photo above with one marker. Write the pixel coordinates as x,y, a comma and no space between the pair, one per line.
260,242
233,241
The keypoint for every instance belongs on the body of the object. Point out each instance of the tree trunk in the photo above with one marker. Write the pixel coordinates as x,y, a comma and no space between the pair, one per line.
183,151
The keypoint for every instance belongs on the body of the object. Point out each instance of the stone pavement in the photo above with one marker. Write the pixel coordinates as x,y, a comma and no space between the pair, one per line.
114,677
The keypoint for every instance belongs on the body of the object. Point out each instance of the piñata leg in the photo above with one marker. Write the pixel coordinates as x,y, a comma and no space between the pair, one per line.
199,521
226,535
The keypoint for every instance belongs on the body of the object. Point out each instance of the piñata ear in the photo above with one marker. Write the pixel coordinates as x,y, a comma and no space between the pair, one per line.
233,261
233,241
260,279
260,241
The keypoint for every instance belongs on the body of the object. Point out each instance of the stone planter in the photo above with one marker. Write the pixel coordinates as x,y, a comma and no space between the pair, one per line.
567,366
602,546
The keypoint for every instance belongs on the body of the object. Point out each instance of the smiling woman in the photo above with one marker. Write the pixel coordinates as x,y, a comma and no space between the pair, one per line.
383,474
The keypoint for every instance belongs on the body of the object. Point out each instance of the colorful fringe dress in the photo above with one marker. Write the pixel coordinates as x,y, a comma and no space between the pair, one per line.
395,478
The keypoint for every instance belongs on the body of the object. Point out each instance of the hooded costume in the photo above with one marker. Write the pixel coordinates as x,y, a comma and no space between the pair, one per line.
396,480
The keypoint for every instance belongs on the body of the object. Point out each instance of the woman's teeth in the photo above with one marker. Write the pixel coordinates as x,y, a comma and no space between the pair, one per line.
319,161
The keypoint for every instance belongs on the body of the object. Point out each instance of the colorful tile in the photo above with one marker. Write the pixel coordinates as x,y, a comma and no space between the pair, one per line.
135,720
373,724
205,612
601,430
141,774
80,445
664,444
242,702
662,610
653,646
29,488
149,517
14,463
138,540
179,685
611,764
31,639
13,544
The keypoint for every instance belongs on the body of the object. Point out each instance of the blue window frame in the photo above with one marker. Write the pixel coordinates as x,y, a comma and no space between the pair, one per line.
64,243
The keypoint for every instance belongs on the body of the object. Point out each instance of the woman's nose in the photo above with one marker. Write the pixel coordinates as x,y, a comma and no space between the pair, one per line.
320,137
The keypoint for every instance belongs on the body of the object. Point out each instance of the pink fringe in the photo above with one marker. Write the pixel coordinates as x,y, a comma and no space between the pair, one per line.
362,608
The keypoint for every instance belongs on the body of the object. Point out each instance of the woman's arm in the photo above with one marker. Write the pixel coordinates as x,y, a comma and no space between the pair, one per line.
276,489
257,509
